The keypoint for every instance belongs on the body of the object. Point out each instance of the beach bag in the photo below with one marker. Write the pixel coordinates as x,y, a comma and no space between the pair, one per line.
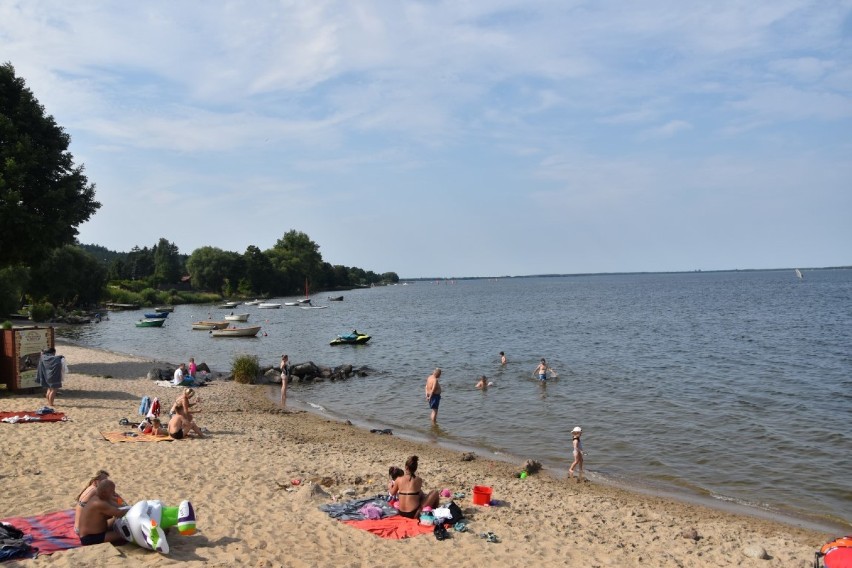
835,554
456,513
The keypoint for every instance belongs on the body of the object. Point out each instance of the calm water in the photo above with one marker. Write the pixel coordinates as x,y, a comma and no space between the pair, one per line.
731,386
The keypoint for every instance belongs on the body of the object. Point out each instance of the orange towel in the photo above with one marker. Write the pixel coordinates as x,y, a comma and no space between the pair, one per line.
116,437
392,527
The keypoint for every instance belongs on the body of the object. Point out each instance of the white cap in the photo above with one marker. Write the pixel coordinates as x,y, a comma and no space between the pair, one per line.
576,430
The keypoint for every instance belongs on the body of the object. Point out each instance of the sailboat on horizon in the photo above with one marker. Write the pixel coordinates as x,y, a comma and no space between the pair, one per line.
799,274
306,303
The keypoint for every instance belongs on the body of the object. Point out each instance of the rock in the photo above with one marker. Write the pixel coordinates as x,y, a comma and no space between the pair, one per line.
691,534
202,367
468,456
756,551
532,466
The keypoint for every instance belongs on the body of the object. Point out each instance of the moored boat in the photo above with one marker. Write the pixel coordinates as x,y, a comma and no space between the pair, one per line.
335,298
164,309
150,323
235,332
237,317
228,305
198,326
215,324
157,315
268,306
253,303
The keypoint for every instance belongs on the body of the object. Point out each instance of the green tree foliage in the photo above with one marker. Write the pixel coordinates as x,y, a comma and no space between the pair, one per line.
212,268
68,276
296,258
44,197
167,263
259,273
140,263
13,283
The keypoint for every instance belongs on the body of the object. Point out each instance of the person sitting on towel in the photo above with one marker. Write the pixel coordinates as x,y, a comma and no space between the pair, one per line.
95,520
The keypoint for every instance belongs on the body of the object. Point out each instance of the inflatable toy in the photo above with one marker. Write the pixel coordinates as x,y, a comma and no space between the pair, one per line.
146,522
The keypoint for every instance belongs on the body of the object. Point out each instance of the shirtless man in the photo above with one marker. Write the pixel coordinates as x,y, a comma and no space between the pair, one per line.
95,519
433,393
180,427
542,370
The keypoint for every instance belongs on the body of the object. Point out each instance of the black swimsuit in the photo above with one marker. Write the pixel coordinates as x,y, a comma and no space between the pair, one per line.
177,435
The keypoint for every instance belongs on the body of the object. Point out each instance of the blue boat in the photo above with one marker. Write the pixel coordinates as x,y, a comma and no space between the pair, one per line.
157,315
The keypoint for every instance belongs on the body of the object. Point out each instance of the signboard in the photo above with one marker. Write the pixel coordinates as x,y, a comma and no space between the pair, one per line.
21,352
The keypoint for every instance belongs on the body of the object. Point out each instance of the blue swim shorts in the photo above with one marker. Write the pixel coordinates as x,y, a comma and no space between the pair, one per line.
434,401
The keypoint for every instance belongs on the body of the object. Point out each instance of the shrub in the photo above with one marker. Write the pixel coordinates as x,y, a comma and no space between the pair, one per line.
42,311
7,324
245,369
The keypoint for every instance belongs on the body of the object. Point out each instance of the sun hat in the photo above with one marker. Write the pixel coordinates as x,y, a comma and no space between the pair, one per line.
576,430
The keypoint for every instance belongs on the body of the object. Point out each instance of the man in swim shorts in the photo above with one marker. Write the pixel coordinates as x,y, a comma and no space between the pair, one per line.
542,370
96,518
433,393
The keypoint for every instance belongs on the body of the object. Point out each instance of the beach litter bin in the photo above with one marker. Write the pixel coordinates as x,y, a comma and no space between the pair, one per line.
481,495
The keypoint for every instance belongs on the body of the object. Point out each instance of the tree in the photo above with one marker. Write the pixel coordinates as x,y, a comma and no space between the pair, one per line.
44,197
13,282
68,276
259,273
296,257
166,263
140,263
214,269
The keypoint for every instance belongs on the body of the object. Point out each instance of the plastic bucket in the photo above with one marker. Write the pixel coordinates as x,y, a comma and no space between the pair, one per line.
481,495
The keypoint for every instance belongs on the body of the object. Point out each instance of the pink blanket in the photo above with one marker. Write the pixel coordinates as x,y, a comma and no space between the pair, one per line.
50,532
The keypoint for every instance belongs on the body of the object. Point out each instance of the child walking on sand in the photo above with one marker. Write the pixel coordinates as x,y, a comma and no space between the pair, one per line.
578,454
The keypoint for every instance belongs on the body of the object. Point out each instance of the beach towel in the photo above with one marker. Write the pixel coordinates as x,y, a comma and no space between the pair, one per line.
144,405
31,416
395,527
116,437
50,532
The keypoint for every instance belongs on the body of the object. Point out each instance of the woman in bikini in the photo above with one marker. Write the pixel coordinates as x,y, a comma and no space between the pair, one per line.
87,493
409,490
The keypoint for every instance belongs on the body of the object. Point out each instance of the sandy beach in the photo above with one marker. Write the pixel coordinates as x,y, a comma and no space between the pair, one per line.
249,514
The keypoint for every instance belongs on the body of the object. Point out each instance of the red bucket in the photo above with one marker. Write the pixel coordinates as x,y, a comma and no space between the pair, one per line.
481,495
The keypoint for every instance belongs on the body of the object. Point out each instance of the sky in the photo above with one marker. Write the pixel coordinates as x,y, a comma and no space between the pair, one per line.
457,138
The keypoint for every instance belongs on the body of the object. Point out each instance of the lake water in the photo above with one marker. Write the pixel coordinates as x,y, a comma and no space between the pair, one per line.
735,387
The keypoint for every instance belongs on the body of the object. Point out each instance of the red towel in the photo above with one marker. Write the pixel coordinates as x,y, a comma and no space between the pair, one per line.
396,526
52,417
50,532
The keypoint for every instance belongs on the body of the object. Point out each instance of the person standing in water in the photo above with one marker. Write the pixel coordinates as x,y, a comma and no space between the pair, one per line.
502,358
578,454
542,370
433,393
285,377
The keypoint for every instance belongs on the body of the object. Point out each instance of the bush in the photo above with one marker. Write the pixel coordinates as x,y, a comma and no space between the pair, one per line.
245,369
7,325
42,311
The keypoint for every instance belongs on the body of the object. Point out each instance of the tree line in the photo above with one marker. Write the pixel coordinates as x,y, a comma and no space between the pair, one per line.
45,197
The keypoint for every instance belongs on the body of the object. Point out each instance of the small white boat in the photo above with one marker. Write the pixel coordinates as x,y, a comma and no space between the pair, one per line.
268,306
305,301
253,303
799,274
227,305
313,307
291,303
237,317
235,332
208,325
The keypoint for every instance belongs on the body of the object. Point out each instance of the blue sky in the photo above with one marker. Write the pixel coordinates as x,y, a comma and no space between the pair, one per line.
452,138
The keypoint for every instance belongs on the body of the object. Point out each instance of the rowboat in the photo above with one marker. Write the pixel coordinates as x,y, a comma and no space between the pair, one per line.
268,306
150,323
236,332
198,326
313,307
228,305
214,324
157,315
237,317
335,298
291,303
168,309
253,303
